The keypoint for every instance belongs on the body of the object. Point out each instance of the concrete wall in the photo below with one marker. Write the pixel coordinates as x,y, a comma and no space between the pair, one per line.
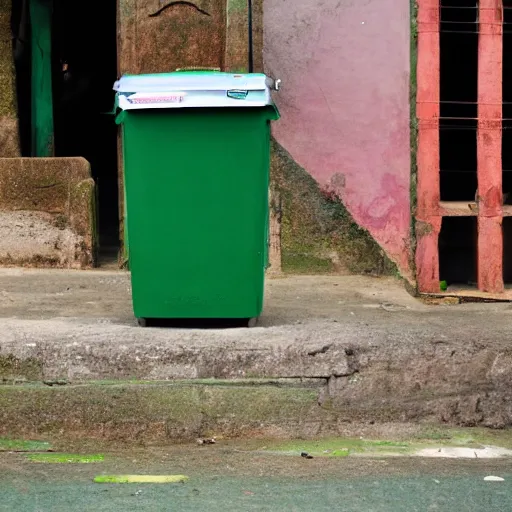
345,106
47,213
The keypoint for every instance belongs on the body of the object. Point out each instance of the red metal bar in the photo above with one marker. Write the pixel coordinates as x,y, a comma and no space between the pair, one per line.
428,222
489,139
427,254
490,247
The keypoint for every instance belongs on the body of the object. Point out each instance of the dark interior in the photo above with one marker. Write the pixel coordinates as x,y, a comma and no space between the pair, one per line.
507,250
459,85
85,68
507,102
458,129
84,61
507,138
458,250
22,57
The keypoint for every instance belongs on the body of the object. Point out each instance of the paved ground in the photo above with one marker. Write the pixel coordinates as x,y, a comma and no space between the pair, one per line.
233,480
102,295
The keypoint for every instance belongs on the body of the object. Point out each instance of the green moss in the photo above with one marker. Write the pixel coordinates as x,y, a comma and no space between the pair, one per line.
339,447
474,436
64,458
305,264
427,437
223,383
21,445
140,479
13,368
318,234
238,6
159,412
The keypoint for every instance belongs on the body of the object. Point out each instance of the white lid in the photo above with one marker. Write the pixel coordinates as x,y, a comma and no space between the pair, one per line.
192,89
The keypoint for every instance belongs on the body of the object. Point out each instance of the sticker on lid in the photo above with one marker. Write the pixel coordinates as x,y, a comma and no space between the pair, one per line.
149,98
237,94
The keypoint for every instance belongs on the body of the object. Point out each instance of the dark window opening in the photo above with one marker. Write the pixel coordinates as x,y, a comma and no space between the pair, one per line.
507,104
507,139
84,70
458,250
507,250
458,96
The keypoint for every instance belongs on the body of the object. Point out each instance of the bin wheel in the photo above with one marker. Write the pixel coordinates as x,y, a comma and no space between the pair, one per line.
143,322
252,322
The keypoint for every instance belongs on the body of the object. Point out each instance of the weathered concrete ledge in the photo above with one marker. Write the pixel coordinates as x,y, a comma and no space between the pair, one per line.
382,378
162,411
47,213
365,351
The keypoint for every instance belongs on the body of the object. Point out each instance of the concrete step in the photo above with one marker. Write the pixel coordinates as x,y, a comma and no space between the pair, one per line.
362,350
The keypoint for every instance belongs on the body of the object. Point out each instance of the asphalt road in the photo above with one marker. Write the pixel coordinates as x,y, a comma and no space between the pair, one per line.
227,480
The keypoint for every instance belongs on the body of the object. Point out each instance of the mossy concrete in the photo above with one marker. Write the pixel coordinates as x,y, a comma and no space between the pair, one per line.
9,138
185,411
65,458
318,234
158,413
48,212
23,445
14,369
413,129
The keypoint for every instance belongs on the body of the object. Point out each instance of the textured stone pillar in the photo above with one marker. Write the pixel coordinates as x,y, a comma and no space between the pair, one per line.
159,36
9,138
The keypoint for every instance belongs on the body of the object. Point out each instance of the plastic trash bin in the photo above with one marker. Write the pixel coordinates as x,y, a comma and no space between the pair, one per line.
196,151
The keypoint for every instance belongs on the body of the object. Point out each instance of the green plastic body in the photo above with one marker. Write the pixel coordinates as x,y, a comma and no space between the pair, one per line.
197,210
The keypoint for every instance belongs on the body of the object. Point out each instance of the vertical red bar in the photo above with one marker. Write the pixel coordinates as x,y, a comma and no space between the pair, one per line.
428,185
489,136
490,252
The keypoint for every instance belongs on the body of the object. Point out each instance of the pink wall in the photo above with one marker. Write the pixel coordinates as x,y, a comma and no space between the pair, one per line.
345,104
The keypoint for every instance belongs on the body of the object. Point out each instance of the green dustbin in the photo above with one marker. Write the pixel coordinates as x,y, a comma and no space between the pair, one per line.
196,149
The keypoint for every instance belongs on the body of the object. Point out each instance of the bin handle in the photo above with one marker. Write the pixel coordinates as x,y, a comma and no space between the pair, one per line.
197,68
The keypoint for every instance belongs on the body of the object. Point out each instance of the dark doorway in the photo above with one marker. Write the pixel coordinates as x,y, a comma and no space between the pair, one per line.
457,250
507,140
84,59
459,85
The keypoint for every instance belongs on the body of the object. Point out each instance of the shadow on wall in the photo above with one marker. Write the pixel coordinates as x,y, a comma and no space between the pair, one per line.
318,234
